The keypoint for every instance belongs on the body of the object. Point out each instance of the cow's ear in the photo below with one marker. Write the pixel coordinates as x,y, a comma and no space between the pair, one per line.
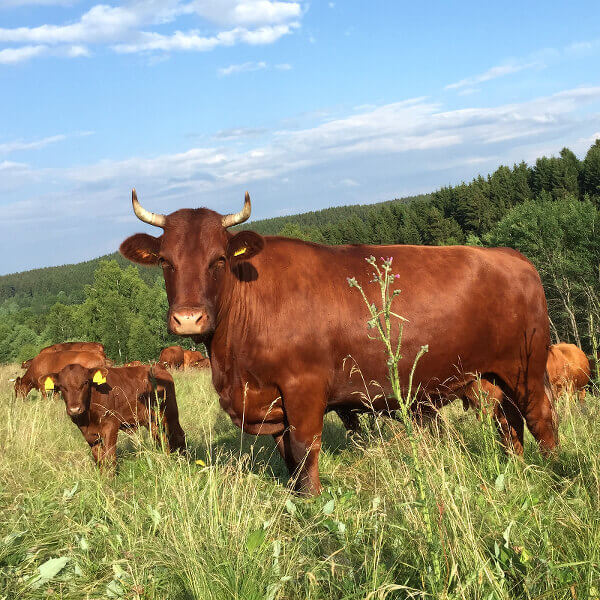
47,382
141,248
98,375
244,246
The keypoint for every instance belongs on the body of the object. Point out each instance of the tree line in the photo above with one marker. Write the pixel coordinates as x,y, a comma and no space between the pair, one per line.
550,211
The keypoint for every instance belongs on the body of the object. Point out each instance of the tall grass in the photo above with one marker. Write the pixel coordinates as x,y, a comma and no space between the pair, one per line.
227,527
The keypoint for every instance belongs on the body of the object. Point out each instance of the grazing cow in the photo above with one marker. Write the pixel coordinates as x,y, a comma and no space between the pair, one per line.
568,369
52,362
278,319
26,363
172,357
103,401
134,363
194,360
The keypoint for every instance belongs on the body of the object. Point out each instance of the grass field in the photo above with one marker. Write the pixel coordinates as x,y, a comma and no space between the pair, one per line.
166,527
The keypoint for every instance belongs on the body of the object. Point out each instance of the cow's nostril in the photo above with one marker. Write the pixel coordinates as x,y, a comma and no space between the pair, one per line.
176,320
199,318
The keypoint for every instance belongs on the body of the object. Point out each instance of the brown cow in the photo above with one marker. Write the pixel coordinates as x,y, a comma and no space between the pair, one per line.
172,357
194,360
279,320
125,400
134,363
53,362
73,346
26,363
568,369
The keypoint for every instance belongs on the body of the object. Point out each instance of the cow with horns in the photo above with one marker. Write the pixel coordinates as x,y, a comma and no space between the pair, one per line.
279,320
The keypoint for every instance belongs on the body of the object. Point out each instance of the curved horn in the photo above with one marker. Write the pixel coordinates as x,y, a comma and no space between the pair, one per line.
237,218
142,214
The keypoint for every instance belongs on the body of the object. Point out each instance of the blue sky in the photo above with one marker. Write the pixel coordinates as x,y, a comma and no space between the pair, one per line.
306,105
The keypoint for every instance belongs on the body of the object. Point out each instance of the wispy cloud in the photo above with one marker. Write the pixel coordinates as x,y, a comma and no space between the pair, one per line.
127,28
493,73
536,60
20,145
251,66
242,68
412,127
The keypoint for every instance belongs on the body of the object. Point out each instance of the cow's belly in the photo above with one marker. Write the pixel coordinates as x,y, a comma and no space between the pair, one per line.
256,409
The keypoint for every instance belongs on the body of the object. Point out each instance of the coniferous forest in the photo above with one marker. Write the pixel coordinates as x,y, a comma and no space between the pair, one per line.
550,211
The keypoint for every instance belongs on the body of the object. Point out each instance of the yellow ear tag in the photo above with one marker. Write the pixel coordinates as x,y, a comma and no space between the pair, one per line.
48,384
98,378
240,251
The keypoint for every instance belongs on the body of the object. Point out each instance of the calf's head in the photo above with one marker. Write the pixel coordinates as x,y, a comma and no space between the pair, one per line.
74,382
196,252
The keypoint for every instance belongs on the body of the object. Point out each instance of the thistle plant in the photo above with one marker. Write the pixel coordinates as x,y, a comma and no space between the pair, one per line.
388,328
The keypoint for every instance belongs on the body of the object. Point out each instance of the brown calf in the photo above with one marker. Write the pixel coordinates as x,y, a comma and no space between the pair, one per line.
103,401
52,362
172,357
194,360
568,369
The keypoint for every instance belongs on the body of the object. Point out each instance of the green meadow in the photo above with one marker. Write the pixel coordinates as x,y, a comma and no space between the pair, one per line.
221,523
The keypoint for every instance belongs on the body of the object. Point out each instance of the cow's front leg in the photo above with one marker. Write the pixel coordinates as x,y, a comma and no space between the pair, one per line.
304,405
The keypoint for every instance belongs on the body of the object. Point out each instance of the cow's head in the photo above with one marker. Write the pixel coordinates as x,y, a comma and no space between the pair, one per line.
196,252
74,382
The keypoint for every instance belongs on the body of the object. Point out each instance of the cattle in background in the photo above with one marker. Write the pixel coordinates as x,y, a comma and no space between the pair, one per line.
568,369
52,362
172,357
26,363
96,347
195,360
134,363
279,320
103,401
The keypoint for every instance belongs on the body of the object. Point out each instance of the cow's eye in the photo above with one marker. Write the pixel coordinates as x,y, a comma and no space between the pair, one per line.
165,264
218,262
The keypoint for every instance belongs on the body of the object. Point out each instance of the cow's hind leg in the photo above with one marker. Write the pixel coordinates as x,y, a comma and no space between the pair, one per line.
304,403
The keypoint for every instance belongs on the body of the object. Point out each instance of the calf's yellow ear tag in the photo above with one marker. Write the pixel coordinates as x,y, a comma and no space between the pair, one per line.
99,378
48,384
240,251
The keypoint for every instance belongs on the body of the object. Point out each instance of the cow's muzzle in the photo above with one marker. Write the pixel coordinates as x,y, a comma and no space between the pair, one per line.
188,320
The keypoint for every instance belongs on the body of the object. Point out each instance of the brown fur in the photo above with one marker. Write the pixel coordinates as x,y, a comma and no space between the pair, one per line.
52,362
568,369
195,360
124,402
172,357
280,322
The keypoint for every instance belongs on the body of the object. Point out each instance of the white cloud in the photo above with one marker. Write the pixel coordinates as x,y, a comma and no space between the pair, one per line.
251,66
410,128
20,3
242,68
493,73
536,60
10,56
20,145
247,12
125,27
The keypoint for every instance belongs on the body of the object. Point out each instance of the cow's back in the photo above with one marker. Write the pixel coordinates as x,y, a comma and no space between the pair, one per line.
474,308
53,362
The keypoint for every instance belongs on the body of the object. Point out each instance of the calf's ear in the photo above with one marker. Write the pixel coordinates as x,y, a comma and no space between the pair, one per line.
141,248
244,246
47,382
98,375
